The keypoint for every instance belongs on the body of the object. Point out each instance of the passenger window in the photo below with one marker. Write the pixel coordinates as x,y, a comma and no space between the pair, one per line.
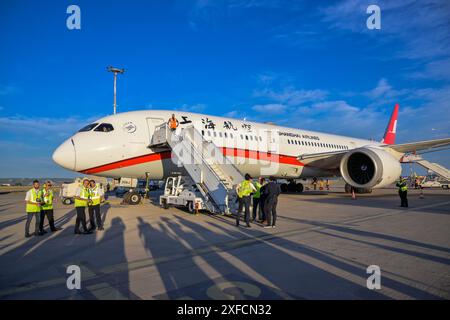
251,138
89,127
246,137
203,132
215,134
225,134
104,127
231,135
242,137
220,134
209,133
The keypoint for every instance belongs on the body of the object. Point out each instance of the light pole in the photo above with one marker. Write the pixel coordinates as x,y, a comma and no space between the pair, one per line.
115,71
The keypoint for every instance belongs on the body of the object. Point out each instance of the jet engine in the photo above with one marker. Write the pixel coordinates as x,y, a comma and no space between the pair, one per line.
369,167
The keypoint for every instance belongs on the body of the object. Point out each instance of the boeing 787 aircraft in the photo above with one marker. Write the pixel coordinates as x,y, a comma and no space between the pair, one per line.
122,145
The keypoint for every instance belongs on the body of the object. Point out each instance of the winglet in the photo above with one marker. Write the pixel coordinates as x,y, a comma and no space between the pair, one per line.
389,135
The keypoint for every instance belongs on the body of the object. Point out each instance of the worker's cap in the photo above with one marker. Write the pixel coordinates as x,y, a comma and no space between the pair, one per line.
247,176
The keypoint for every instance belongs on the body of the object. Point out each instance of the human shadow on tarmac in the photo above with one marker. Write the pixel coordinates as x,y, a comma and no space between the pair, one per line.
314,279
180,270
37,269
368,234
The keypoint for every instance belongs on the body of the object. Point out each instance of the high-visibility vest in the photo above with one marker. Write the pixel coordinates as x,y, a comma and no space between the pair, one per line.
95,195
32,208
173,123
84,194
402,185
257,194
244,189
47,200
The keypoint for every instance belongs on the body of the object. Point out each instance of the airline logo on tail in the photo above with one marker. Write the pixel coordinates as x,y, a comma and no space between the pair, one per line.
389,135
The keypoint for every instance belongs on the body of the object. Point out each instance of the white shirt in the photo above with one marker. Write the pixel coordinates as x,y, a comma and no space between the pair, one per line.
28,196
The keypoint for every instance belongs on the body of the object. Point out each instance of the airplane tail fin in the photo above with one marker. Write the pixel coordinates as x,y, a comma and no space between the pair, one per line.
391,129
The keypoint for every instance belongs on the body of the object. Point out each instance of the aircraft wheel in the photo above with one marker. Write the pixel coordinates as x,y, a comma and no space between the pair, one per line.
284,187
67,201
190,206
348,188
299,187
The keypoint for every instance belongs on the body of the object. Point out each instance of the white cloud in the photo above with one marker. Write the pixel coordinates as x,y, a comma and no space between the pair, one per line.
291,96
274,108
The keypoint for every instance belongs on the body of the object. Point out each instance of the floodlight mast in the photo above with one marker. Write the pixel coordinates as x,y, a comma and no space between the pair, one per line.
115,71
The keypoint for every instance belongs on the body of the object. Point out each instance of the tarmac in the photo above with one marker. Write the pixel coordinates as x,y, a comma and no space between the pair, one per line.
321,249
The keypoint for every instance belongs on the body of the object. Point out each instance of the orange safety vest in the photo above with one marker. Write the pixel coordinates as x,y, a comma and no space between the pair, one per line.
173,123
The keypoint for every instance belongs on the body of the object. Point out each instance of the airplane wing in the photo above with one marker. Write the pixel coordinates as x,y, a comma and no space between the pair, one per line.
329,160
420,145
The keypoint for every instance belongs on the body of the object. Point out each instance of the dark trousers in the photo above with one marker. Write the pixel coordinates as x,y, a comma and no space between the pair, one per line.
271,211
244,202
255,208
30,216
81,218
51,220
262,210
94,214
404,198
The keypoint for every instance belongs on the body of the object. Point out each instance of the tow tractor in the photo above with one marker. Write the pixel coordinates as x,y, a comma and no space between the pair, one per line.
181,191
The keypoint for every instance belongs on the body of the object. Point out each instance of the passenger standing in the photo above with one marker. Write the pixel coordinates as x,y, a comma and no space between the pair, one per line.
244,191
403,192
33,208
173,123
47,208
82,198
272,192
256,198
262,202
97,195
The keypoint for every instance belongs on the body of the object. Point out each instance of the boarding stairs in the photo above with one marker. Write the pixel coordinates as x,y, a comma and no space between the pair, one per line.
435,167
213,173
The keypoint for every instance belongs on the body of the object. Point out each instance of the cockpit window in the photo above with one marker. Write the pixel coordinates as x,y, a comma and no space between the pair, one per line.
89,127
105,127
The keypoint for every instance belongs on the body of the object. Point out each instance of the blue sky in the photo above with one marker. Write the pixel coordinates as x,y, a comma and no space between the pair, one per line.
305,64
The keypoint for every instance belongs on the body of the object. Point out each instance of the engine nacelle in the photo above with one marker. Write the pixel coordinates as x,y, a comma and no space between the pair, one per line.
370,167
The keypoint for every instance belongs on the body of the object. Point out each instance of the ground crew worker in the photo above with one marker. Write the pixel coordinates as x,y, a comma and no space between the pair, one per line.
256,198
173,123
82,199
96,194
272,192
314,183
327,184
244,191
402,191
33,208
47,208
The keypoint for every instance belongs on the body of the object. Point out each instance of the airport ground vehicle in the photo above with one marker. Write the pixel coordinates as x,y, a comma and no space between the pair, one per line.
181,191
433,181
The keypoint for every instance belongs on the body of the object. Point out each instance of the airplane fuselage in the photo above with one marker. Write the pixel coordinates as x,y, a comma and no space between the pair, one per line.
118,146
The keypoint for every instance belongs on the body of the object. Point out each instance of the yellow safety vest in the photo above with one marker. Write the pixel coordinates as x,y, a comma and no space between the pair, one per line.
95,195
32,208
84,194
245,189
257,194
402,185
48,200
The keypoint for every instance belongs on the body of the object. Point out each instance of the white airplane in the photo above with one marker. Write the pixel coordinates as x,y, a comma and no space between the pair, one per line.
119,146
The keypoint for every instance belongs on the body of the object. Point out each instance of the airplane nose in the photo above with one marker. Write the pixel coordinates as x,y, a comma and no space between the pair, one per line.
64,155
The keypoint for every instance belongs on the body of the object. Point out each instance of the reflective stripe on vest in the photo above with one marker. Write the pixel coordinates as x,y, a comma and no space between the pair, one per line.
95,196
31,208
244,189
402,186
84,194
48,200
